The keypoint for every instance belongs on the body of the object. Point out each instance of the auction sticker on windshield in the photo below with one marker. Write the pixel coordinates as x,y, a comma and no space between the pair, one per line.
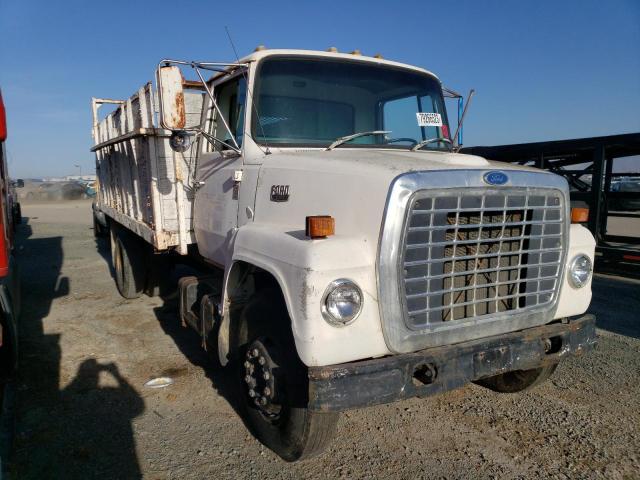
429,119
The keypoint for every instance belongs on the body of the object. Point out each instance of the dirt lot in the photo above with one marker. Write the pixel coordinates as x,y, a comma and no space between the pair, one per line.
83,410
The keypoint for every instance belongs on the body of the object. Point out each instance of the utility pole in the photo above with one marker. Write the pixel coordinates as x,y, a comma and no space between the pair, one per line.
79,167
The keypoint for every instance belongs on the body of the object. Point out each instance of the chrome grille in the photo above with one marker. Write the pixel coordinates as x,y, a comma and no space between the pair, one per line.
475,252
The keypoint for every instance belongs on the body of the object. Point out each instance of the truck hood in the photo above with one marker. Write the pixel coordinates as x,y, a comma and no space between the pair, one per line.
370,165
390,162
349,184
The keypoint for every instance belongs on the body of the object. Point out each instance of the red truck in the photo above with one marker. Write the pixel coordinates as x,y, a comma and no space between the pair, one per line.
9,287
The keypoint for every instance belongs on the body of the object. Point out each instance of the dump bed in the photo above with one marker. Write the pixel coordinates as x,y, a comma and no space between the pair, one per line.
143,184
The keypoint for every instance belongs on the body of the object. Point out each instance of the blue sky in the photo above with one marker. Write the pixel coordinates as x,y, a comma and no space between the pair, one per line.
542,69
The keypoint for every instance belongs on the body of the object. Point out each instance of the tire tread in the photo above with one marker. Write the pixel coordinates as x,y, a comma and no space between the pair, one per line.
306,433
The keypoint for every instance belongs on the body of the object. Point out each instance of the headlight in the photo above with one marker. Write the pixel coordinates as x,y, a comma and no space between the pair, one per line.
342,302
580,270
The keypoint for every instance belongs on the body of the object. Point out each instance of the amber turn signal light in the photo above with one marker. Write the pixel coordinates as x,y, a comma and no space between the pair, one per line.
579,215
320,226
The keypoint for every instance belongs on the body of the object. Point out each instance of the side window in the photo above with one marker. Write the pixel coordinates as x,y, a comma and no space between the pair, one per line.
231,99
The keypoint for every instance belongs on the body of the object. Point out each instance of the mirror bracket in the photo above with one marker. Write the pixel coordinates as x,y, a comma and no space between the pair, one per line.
171,98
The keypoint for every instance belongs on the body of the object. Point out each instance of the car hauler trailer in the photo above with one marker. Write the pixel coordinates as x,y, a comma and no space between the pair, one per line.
591,166
355,257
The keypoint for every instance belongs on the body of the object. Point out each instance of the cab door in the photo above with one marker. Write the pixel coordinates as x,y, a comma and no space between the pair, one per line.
218,173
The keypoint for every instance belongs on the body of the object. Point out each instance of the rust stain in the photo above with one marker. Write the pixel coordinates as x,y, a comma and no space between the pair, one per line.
181,118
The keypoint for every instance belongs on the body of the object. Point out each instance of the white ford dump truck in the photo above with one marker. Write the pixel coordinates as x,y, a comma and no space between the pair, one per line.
352,256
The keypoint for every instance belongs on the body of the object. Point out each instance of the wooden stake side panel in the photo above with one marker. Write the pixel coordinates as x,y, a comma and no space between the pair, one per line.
142,181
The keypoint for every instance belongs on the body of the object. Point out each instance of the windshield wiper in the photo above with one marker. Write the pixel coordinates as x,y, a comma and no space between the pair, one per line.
341,140
421,144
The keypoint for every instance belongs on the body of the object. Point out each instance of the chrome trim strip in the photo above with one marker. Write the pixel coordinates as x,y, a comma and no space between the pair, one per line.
484,285
504,297
485,270
417,246
401,339
471,210
415,263
484,225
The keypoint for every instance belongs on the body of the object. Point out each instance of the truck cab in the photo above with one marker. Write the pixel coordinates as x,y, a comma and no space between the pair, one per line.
362,259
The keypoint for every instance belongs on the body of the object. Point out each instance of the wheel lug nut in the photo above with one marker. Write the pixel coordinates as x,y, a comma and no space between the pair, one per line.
266,391
266,376
252,393
262,361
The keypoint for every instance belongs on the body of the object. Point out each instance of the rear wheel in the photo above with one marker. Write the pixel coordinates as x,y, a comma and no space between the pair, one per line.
129,266
272,382
518,380
8,348
17,214
98,229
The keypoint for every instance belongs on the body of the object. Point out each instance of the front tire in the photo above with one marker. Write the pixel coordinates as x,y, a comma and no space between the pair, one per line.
272,382
518,380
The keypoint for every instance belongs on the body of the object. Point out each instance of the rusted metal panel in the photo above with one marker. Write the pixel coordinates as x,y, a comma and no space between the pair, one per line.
384,380
173,108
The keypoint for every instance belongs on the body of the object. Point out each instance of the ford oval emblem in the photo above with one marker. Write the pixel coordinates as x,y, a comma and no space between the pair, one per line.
496,178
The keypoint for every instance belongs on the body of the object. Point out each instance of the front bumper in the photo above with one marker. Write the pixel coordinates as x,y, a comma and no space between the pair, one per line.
436,370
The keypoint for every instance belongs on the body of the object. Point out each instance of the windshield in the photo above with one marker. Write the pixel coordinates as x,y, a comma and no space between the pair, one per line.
313,102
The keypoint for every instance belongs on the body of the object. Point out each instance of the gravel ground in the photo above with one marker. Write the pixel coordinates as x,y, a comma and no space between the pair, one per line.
83,410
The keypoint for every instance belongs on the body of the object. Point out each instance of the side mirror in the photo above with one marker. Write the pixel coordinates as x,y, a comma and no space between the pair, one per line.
172,111
180,141
19,183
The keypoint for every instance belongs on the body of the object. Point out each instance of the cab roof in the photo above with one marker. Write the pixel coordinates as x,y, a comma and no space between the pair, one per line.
261,54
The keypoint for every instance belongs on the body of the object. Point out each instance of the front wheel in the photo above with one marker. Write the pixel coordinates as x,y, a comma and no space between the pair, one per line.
272,382
518,380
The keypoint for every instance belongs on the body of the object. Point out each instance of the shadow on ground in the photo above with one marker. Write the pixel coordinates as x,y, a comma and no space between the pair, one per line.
186,339
616,304
81,431
623,318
